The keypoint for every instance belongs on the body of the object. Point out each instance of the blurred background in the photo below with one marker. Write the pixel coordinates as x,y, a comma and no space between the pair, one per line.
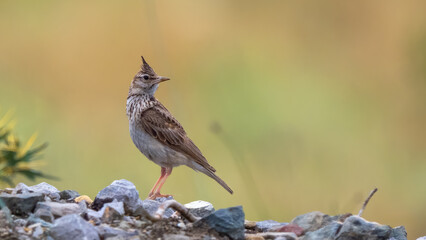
312,103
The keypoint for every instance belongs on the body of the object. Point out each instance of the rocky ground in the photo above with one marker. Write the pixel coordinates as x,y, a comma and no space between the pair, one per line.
117,212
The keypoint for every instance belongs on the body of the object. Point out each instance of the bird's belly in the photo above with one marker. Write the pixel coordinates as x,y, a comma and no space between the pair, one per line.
154,150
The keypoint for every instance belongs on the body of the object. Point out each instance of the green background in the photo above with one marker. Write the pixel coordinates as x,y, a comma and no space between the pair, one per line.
318,101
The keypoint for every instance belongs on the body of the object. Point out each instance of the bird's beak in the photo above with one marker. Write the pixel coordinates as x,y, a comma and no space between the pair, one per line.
162,79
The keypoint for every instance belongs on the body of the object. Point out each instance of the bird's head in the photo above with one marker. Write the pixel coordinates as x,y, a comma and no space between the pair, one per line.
146,80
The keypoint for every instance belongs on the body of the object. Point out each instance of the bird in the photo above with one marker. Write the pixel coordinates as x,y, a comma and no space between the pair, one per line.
158,135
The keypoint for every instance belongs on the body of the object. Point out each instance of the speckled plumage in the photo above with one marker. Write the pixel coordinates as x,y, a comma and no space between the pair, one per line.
157,134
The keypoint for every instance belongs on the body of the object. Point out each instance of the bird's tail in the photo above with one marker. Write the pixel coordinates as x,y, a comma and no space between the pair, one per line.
218,180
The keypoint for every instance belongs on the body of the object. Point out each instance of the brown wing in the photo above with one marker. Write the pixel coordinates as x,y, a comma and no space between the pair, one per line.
160,124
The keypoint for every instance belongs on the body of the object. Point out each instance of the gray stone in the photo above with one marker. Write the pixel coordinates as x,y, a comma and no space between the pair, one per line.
95,216
328,232
269,225
163,199
45,189
72,227
356,227
21,204
21,188
44,214
151,207
32,219
309,221
200,208
60,209
176,237
106,231
228,221
120,190
20,222
398,233
38,232
68,194
112,211
273,235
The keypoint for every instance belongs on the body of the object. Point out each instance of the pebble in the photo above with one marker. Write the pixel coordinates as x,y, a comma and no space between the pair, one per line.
358,228
398,233
112,211
291,228
309,221
228,221
82,198
327,232
72,227
21,204
68,194
200,208
250,224
45,189
272,235
45,215
120,190
269,225
60,209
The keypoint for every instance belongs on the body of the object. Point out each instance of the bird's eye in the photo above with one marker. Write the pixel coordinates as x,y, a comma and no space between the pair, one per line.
146,77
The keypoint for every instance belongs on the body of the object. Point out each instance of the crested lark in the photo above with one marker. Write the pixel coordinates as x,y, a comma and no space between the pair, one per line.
158,135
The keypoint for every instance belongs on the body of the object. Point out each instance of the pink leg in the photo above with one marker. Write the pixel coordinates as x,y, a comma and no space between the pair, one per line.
157,193
163,173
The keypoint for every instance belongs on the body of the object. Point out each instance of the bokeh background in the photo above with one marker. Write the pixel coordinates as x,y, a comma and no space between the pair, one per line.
313,103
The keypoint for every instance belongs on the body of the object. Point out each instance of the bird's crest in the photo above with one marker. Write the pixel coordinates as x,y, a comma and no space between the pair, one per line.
146,69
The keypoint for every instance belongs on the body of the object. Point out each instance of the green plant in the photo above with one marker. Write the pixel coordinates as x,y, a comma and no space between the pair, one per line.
16,159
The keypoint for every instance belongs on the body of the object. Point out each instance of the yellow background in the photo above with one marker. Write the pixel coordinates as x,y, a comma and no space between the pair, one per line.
318,101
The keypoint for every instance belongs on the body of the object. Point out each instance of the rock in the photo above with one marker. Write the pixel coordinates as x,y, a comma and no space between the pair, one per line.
32,219
83,198
163,199
21,204
151,207
200,208
269,225
112,211
251,236
45,189
120,190
327,233
38,233
272,235
181,225
44,214
109,212
94,216
175,237
421,238
68,194
356,227
73,227
228,221
21,188
398,233
309,221
20,222
291,228
60,209
250,224
106,231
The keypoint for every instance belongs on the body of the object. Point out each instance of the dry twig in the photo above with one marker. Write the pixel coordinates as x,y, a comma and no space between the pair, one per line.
366,201
162,208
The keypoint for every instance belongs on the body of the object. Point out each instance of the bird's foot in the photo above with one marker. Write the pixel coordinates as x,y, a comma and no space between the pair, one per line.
154,196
